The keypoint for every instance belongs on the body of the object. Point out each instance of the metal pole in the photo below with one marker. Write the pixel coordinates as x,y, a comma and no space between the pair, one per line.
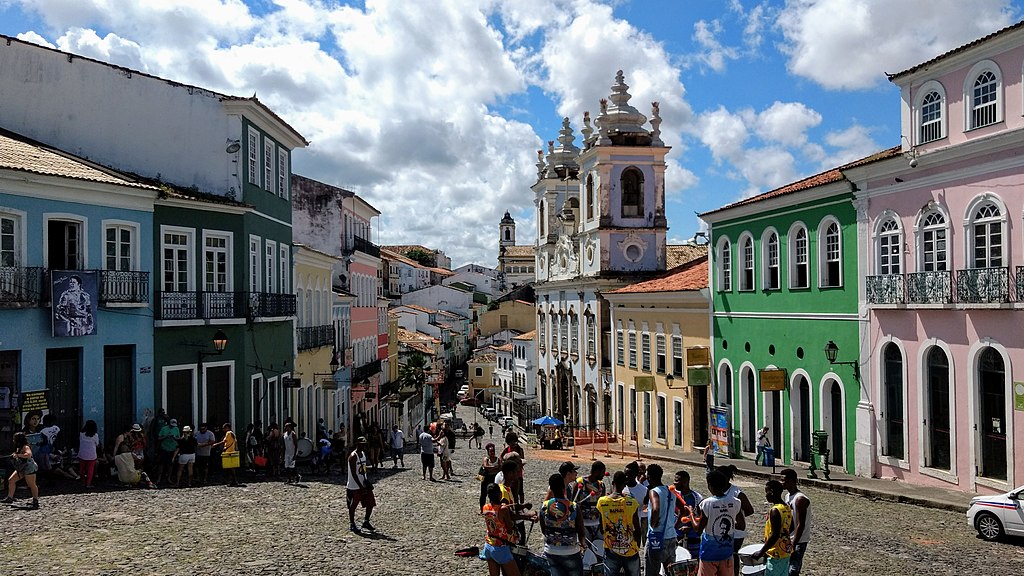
574,442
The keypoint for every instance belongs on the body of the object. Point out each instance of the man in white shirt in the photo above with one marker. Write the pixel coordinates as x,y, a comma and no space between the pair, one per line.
638,490
427,454
800,504
397,441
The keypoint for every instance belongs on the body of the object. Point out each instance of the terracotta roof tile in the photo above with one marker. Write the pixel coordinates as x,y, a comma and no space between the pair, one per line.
504,348
26,155
679,254
487,358
689,276
519,251
527,336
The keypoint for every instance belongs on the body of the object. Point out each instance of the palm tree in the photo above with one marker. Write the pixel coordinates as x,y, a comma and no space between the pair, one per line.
413,374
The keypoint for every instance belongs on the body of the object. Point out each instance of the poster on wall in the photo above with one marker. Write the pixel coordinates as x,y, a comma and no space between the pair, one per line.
720,430
74,293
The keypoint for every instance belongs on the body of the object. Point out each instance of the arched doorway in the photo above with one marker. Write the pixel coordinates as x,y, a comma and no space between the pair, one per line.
992,393
893,383
832,420
748,409
800,406
577,401
561,393
937,409
723,393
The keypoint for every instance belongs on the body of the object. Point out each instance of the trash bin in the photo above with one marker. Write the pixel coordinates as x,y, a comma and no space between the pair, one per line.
820,441
769,456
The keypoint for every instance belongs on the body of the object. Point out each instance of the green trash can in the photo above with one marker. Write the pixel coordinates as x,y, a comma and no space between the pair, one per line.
820,442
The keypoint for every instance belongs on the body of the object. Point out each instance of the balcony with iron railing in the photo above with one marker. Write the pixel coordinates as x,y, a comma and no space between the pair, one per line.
124,287
363,245
983,285
934,287
364,372
21,286
310,337
193,305
269,304
885,289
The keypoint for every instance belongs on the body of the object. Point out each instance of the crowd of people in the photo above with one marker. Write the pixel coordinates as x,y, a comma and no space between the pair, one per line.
638,520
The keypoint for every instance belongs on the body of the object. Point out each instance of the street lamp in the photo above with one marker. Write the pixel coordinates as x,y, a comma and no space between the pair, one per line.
831,350
220,342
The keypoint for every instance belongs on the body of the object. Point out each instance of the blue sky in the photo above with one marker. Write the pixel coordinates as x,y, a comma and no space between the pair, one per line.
433,109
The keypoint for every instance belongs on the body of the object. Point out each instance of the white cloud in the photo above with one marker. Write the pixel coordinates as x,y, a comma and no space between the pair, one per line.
713,53
866,38
786,123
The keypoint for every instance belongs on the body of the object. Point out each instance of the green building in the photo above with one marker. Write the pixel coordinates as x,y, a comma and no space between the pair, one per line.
784,284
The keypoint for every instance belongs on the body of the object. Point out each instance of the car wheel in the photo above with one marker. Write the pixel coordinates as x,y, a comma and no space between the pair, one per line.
988,526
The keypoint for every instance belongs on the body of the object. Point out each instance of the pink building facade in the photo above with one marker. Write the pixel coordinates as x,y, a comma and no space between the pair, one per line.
941,233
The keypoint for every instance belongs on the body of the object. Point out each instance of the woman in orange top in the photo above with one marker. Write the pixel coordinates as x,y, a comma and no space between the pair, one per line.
501,534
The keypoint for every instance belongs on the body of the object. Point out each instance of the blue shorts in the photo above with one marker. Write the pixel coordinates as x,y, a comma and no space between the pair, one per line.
500,554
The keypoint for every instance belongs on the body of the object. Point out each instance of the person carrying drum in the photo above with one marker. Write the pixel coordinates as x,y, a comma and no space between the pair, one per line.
778,546
358,489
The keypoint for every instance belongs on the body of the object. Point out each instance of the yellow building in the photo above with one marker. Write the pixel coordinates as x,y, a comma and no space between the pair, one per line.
510,314
312,391
660,331
481,373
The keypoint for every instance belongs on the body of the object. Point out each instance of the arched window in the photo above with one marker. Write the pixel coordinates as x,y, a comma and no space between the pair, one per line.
508,234
993,423
590,197
984,100
724,265
770,261
932,243
747,270
541,221
931,118
893,374
890,242
986,236
830,256
798,262
632,185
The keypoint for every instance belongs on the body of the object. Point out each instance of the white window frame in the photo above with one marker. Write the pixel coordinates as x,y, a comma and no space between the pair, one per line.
794,256
922,229
930,87
645,349
724,265
18,235
660,353
770,262
284,251
889,245
83,237
270,261
190,251
620,346
133,242
255,262
269,162
283,179
972,76
747,285
824,279
253,156
661,422
631,345
971,220
677,353
677,421
229,238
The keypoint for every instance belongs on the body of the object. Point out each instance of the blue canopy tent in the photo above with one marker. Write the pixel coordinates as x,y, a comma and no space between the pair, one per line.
548,421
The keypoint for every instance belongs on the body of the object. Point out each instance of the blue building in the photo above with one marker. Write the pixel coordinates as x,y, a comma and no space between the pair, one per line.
76,250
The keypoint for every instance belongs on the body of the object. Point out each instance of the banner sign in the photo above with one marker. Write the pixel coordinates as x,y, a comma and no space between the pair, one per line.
773,380
720,429
287,382
698,356
73,293
1018,396
329,384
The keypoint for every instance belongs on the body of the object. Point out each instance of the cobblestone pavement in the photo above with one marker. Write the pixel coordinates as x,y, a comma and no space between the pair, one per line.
268,527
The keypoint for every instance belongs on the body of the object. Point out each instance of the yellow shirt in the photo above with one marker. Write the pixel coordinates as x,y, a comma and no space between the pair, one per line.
506,494
230,445
617,514
783,547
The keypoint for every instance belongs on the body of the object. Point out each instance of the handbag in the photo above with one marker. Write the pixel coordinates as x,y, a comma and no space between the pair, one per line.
259,461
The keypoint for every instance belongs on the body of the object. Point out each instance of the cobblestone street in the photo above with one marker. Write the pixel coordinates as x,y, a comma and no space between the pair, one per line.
271,528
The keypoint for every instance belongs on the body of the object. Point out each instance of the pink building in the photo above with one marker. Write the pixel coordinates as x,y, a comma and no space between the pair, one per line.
942,256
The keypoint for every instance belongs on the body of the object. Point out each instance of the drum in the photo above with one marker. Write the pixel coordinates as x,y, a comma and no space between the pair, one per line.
595,570
589,559
684,568
305,448
747,555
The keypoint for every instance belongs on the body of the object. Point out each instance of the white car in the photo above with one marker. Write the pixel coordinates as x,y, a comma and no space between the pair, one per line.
995,516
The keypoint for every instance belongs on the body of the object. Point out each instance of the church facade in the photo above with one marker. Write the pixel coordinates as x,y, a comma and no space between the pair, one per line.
601,225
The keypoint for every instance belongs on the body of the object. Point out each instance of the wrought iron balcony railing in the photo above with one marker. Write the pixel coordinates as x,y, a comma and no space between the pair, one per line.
199,305
124,287
1020,283
886,289
363,245
21,286
983,285
310,337
364,372
930,287
267,304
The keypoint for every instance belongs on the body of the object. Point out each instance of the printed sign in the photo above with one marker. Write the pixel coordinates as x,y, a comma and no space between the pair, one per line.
720,433
332,384
644,383
34,401
75,294
772,380
1018,396
287,382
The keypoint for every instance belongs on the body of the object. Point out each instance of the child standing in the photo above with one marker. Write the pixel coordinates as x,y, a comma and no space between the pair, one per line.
88,452
24,469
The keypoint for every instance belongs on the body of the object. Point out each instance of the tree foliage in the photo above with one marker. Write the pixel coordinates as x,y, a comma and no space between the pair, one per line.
424,257
413,374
